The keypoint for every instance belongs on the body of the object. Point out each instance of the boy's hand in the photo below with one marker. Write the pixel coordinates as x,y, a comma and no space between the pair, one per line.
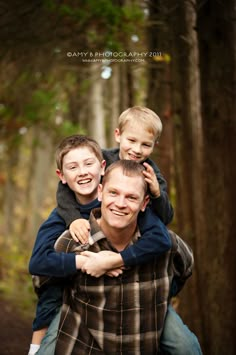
104,262
152,181
79,230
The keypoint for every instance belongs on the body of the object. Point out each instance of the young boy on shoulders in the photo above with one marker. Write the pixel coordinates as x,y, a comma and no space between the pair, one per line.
80,165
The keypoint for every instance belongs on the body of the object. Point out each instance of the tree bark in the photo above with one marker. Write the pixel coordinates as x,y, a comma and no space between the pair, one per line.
217,41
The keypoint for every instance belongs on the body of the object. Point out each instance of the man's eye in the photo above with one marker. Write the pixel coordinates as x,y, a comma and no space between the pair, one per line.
132,198
113,193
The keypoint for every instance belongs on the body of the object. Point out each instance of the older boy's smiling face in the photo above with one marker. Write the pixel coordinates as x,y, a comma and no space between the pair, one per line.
82,172
136,142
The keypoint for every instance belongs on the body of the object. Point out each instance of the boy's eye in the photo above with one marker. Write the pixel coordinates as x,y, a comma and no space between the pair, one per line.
131,140
147,145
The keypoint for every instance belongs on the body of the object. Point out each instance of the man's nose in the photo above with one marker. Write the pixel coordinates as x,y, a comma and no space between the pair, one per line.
120,201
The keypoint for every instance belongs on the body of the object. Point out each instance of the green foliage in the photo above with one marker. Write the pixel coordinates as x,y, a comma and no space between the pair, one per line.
16,282
106,22
40,106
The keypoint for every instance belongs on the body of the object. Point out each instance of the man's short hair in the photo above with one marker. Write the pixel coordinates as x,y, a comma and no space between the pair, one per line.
141,116
129,168
73,142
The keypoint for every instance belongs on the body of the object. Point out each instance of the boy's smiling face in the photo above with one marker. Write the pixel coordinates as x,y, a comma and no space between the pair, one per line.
136,142
82,171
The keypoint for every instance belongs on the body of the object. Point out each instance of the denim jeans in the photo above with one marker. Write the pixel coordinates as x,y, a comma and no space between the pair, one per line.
48,344
176,338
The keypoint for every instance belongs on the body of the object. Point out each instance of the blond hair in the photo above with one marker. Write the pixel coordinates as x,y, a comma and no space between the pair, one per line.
141,115
73,142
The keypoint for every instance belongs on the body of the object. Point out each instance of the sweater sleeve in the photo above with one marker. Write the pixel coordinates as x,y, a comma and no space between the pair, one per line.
44,259
183,262
161,205
154,241
67,205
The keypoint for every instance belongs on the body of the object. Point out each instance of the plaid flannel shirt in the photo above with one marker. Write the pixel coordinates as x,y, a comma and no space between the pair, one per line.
120,315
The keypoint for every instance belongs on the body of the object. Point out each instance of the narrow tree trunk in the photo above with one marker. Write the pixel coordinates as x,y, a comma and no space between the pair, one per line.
97,118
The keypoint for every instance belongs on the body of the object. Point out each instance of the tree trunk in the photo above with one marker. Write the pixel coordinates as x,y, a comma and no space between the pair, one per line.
159,89
188,154
217,41
97,119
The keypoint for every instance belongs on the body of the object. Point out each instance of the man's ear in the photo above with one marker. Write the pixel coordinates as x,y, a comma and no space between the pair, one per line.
145,202
117,135
103,166
100,192
61,176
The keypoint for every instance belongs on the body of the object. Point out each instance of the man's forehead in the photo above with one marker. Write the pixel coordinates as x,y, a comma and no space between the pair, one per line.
118,176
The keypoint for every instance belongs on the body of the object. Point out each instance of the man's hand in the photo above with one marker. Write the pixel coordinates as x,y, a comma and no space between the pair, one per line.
79,230
151,179
104,262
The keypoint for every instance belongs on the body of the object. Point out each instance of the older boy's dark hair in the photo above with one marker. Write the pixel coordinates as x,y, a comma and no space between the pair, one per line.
129,168
73,142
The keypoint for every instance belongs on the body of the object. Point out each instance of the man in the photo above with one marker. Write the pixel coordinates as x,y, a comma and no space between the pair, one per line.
124,314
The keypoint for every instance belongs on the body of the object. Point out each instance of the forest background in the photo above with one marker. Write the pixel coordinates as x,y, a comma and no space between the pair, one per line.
72,67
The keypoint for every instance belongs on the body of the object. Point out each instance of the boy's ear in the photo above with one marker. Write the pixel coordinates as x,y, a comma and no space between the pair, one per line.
145,202
100,192
61,176
103,166
117,135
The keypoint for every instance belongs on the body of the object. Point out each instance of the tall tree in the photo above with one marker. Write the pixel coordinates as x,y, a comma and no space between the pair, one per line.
159,84
217,45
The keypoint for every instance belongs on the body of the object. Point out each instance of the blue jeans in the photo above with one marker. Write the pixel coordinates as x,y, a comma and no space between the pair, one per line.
48,344
176,338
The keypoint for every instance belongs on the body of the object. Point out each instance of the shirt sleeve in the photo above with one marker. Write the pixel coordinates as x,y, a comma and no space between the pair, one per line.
183,262
154,241
44,259
67,206
161,205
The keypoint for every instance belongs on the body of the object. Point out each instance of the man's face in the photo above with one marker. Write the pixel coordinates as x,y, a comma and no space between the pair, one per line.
136,143
82,171
122,197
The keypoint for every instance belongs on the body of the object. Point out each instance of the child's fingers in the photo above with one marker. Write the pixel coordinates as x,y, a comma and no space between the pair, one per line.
114,272
148,167
74,237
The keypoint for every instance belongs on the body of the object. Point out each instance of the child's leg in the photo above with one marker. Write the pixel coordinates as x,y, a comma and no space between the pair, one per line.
48,343
38,335
176,338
